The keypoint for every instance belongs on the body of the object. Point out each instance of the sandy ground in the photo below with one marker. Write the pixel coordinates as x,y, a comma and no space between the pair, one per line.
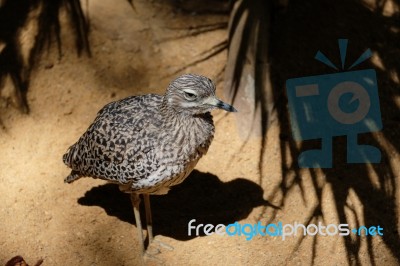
91,223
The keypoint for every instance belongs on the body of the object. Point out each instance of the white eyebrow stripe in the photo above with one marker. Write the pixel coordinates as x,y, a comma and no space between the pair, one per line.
190,91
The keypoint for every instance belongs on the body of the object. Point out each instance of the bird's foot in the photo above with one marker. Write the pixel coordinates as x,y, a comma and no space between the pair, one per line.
154,249
150,259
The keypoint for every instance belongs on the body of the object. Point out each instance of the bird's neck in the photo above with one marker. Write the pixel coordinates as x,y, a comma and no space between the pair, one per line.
169,112
195,130
174,119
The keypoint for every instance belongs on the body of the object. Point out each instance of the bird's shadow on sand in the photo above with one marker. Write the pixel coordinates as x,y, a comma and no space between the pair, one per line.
202,196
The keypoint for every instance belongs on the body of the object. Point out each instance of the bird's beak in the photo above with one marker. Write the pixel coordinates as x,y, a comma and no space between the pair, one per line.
220,104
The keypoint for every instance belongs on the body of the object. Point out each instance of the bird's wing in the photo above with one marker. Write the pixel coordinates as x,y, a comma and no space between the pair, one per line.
108,140
119,127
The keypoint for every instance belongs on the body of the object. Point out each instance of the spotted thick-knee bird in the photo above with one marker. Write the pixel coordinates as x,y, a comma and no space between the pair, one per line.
148,143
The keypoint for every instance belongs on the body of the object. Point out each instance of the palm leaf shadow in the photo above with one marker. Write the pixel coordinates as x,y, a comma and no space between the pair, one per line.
295,35
26,28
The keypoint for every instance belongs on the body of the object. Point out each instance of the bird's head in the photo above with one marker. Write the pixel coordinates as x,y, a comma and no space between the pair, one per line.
194,94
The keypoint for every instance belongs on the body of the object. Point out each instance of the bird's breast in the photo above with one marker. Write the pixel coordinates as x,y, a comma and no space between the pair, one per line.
186,140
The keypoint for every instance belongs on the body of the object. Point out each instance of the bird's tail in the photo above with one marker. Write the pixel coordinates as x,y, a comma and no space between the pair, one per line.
74,175
68,159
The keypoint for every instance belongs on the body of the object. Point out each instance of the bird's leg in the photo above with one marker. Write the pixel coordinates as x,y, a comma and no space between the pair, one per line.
135,198
149,219
149,222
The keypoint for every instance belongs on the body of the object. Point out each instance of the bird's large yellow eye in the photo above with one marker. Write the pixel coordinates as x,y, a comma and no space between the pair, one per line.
190,96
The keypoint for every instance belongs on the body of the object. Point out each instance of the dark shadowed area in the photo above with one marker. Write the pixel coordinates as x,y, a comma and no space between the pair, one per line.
221,203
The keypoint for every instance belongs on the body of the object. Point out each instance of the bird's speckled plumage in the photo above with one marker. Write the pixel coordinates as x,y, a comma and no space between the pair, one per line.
151,142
